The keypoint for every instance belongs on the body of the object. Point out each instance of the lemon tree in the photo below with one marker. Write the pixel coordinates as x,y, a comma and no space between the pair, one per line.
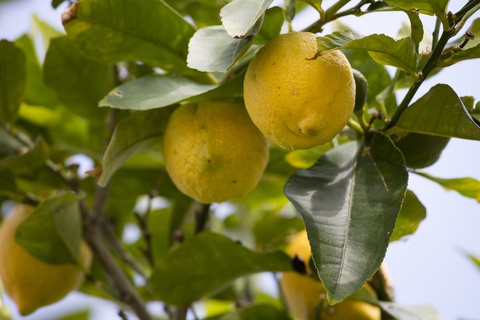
233,143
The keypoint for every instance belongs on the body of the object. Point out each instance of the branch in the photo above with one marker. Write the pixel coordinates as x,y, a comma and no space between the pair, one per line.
201,217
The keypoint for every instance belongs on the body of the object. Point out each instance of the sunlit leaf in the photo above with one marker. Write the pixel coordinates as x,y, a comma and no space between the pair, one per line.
153,91
412,213
138,133
255,312
349,201
429,7
52,233
13,80
439,112
401,312
458,55
467,187
383,49
239,16
183,275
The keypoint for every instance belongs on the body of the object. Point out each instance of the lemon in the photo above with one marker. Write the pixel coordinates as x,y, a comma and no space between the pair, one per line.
299,103
29,282
303,294
213,152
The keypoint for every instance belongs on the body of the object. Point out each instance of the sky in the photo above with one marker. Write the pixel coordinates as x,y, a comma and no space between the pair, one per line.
429,267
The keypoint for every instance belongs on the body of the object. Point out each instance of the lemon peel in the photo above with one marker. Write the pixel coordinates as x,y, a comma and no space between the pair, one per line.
213,152
299,100
29,282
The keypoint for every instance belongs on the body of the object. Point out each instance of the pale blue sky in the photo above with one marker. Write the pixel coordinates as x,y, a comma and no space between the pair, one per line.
428,267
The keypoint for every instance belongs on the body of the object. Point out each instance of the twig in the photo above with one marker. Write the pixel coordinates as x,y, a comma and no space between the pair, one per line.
143,222
122,315
201,217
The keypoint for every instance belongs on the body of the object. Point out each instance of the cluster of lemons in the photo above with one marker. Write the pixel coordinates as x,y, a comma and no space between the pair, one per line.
215,151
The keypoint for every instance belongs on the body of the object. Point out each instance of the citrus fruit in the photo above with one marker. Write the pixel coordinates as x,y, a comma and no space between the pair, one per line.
213,152
421,150
361,91
29,282
303,294
297,99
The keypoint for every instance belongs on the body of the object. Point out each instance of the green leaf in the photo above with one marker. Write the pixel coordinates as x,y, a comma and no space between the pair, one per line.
429,7
47,31
416,27
138,133
52,233
349,201
410,312
28,162
79,82
56,3
8,186
475,260
289,9
83,315
255,312
153,91
458,55
239,16
110,31
272,25
272,228
13,79
439,112
383,49
212,49
421,150
467,187
11,144
36,91
184,275
412,213
317,4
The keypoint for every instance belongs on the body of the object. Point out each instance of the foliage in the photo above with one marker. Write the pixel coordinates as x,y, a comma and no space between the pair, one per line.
106,90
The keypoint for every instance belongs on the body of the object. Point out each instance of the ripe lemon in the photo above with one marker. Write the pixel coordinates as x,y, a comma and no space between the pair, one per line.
213,152
303,294
29,282
299,103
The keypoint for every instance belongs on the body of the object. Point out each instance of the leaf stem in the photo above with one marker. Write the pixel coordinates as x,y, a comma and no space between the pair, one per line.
356,127
201,217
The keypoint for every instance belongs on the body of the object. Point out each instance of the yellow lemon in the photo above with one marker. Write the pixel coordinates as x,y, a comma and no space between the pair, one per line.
296,101
29,282
303,294
213,152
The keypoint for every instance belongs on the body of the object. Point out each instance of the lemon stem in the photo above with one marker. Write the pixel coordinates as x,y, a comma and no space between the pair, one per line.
355,126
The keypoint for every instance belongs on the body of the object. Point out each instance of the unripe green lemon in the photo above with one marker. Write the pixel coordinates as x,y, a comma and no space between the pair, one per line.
213,152
303,294
29,282
296,101
421,150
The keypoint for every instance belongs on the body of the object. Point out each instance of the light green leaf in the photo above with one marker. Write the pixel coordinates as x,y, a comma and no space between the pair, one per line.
272,25
467,187
410,312
416,27
13,79
183,275
429,7
110,31
412,213
36,91
52,233
458,55
83,315
239,16
47,31
79,82
383,49
153,91
212,49
138,133
349,201
255,312
272,228
439,112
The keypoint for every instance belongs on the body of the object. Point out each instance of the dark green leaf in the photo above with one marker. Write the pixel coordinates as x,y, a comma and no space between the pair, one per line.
412,213
8,186
52,233
439,112
13,79
138,133
255,312
349,201
212,49
239,16
401,312
429,7
289,8
11,144
383,49
467,187
29,161
153,91
79,82
421,150
184,275
468,102
36,91
56,3
272,24
181,208
110,31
